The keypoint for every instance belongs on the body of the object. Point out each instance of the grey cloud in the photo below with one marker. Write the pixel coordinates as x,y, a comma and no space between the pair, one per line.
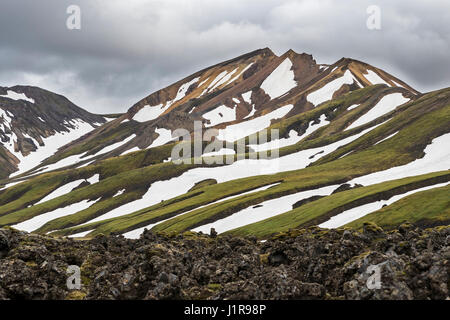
128,49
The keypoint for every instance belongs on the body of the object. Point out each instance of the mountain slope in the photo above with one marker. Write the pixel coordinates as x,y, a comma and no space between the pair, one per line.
34,123
352,138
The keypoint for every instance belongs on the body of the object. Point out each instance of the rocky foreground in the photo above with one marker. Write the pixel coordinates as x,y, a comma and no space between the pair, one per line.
310,263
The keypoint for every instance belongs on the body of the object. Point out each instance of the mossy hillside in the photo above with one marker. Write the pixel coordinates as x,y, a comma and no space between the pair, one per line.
340,170
378,157
169,208
131,180
416,208
320,210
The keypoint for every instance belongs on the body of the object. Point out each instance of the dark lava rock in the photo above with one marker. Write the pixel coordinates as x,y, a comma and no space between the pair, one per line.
312,263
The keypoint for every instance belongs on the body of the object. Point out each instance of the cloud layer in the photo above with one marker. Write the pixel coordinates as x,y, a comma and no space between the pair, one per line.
128,49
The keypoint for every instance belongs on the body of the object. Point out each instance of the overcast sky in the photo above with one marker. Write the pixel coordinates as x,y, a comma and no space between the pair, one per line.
127,49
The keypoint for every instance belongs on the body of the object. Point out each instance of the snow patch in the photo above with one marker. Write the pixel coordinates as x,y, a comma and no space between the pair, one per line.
263,210
326,92
374,78
280,81
361,211
16,96
240,130
40,220
219,115
385,105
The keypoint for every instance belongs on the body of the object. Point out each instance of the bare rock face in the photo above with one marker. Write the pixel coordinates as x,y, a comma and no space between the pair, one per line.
313,263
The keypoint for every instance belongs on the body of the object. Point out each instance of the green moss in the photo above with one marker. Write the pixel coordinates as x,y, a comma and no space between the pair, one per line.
76,295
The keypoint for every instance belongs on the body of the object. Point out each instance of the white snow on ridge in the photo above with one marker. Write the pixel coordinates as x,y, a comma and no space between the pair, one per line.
247,96
113,146
280,81
237,76
361,211
168,189
437,158
386,104
65,189
80,235
165,135
9,185
51,146
94,179
216,79
219,115
134,149
148,112
72,160
223,151
262,211
38,221
293,136
240,130
134,234
252,112
16,96
374,78
120,192
224,80
353,106
326,92
6,119
388,137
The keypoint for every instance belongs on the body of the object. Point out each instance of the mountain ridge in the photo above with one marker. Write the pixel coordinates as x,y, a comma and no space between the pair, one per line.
341,125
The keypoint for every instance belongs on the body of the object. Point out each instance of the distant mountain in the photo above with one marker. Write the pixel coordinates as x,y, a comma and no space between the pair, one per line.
355,145
34,123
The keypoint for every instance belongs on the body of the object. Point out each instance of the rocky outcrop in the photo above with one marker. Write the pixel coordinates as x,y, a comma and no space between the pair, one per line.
313,263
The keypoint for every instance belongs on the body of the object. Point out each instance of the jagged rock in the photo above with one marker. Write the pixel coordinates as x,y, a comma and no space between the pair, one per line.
310,263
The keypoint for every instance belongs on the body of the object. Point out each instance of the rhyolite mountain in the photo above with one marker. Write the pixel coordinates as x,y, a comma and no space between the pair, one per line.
356,145
29,117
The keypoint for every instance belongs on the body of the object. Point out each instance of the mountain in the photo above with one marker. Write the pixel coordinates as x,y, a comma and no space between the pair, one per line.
355,145
34,123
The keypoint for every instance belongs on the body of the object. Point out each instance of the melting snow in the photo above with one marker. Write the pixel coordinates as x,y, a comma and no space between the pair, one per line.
148,112
130,151
437,158
263,210
165,136
51,145
243,70
80,235
134,234
359,212
293,136
120,192
65,189
240,130
38,221
167,189
280,81
388,137
16,96
326,92
219,115
247,97
223,80
374,78
385,105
